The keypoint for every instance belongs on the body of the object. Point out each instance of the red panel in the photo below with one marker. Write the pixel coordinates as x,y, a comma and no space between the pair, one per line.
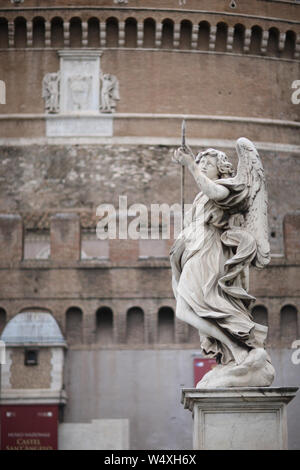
201,366
29,427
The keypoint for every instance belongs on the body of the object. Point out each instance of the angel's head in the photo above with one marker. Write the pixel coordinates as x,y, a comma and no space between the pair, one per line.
214,164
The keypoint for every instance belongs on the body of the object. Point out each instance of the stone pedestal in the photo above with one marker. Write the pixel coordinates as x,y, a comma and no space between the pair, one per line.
239,418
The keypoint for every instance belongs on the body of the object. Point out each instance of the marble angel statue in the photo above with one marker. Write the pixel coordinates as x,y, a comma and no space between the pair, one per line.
109,92
226,232
51,83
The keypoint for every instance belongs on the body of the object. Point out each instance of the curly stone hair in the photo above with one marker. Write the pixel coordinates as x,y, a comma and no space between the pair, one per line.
225,168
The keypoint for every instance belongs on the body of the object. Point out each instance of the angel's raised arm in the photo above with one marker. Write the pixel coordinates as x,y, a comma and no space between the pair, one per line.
214,191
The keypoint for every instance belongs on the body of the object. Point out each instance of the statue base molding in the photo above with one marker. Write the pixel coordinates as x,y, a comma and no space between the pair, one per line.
245,418
255,370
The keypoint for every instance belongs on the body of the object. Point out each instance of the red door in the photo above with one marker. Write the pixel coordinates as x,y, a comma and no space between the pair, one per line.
29,427
201,367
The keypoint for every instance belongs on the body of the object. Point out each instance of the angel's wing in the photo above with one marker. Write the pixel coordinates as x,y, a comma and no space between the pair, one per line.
251,173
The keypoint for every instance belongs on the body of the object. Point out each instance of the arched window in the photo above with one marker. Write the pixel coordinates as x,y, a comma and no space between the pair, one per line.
135,326
203,36
38,32
238,38
75,32
74,325
57,32
93,32
33,325
3,33
185,35
288,325
166,325
130,32
260,315
20,32
2,319
112,32
289,46
221,37
273,42
167,34
33,332
149,33
256,38
104,326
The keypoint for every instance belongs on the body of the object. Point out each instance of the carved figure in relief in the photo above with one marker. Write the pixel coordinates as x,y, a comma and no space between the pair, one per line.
109,92
50,93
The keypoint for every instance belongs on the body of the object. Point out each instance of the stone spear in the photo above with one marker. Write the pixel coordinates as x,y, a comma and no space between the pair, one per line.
182,173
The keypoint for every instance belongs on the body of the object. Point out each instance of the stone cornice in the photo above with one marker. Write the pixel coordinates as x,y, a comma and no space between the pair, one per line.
193,117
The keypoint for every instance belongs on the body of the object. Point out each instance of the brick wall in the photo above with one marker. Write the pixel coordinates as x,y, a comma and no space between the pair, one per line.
136,291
